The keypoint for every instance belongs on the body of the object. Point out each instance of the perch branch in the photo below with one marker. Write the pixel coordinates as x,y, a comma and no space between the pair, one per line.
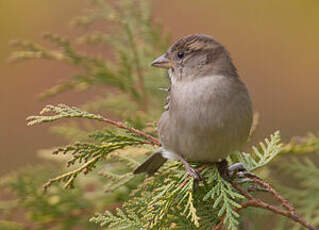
64,111
152,140
276,195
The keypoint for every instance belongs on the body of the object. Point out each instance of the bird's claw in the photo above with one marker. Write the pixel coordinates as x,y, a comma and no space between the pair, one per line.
238,171
192,172
196,175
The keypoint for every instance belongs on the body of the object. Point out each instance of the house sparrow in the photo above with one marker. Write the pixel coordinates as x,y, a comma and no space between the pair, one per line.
209,112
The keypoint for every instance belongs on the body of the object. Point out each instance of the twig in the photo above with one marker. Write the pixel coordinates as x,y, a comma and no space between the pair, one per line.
71,175
152,140
257,203
276,195
254,202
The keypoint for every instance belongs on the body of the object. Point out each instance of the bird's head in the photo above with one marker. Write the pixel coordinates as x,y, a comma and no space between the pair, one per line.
194,56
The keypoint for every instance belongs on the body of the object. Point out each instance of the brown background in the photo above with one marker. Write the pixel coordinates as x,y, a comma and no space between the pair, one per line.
274,44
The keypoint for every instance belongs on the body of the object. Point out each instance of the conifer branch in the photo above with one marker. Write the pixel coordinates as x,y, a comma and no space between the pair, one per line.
63,111
262,154
225,196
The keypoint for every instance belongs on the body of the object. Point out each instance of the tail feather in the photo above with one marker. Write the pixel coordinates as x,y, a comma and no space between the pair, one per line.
152,163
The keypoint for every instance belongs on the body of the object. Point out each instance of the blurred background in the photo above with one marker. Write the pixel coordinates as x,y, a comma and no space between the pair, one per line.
274,44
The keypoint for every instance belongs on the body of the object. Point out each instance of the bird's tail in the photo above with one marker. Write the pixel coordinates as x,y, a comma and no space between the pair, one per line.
152,163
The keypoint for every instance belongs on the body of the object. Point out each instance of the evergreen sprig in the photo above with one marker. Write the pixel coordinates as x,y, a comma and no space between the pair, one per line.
225,198
158,203
168,200
62,111
262,154
59,112
88,155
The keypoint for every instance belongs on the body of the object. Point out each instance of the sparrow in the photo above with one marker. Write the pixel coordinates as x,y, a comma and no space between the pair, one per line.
209,110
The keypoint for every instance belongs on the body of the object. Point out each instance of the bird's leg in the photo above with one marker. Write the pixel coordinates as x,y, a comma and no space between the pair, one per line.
223,169
192,172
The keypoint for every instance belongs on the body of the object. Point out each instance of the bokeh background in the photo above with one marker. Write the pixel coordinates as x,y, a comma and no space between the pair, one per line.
274,44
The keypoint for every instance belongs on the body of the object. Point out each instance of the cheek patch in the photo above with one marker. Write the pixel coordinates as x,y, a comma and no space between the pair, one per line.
213,54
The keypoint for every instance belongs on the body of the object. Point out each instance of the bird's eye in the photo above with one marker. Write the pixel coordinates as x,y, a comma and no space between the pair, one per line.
180,54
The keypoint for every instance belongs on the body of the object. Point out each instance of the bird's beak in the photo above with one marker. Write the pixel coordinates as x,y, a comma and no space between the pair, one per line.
162,62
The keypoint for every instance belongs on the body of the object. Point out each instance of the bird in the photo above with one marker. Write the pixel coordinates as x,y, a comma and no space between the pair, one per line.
209,110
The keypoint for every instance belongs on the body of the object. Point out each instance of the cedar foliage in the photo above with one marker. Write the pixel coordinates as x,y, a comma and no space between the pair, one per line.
107,157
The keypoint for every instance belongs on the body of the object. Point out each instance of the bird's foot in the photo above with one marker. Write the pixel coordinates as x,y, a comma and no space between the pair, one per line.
238,170
235,171
193,173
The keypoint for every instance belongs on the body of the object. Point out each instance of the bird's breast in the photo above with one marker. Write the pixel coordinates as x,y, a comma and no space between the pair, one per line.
200,103
208,117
